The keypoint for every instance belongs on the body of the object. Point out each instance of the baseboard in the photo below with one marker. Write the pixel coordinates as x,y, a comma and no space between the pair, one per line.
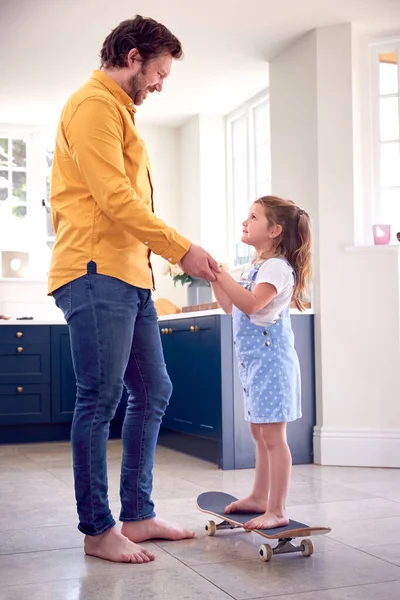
357,447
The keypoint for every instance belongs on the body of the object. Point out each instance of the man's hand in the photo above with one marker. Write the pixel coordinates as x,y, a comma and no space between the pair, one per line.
198,263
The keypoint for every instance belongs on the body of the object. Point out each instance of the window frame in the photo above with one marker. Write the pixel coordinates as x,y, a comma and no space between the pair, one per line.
376,49
246,110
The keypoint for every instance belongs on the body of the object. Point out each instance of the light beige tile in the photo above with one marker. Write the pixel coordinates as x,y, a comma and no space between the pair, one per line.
39,539
349,475
293,574
375,591
134,581
388,552
329,513
38,567
364,535
48,514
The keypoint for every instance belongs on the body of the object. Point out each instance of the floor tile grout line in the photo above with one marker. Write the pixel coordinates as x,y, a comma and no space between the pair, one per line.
342,587
38,551
194,571
385,560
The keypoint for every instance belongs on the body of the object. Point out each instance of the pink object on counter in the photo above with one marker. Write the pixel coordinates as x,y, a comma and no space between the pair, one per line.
381,234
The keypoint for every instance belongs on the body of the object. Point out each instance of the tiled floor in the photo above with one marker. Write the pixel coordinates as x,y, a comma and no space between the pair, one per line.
41,555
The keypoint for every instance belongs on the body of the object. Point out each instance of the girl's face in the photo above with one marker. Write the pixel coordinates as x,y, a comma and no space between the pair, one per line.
257,230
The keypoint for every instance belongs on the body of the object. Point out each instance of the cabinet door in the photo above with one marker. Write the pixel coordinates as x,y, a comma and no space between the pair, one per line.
63,385
192,354
23,404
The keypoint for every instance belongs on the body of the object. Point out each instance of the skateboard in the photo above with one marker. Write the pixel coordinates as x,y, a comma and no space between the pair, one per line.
214,504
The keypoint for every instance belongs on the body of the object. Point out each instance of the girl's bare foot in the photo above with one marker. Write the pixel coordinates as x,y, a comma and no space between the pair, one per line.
268,520
114,546
250,504
150,529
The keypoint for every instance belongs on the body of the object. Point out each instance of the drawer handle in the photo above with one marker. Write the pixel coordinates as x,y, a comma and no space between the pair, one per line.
166,331
20,349
169,330
19,334
20,390
194,328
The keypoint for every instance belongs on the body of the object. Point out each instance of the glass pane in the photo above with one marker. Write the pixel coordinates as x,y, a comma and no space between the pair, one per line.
263,188
388,74
19,211
261,123
49,165
390,164
390,210
19,186
262,163
389,119
3,185
49,222
3,152
239,176
19,153
239,137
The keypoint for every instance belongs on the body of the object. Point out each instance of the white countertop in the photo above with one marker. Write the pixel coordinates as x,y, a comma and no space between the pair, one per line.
189,315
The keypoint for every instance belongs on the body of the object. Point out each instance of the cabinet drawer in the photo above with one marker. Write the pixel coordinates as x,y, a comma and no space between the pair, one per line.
24,334
24,404
20,363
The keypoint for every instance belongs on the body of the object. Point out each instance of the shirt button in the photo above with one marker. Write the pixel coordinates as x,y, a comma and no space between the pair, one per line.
265,332
268,343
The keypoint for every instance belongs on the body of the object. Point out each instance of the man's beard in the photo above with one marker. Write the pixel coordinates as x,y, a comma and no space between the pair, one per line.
137,87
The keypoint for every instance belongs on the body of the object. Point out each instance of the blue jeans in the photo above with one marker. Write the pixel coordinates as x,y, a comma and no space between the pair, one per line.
115,340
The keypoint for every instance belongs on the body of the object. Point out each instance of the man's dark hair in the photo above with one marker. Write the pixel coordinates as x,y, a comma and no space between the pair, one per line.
149,37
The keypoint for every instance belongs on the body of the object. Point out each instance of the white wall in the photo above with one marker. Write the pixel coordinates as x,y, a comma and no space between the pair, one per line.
316,159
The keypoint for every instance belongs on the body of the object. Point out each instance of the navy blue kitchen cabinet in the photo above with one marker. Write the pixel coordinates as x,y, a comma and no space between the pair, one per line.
24,375
192,353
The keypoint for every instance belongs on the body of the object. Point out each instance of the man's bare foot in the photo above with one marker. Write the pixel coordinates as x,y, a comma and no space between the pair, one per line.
250,504
114,546
151,529
267,521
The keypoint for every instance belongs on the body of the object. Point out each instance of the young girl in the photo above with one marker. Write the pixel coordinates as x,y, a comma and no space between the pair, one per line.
269,369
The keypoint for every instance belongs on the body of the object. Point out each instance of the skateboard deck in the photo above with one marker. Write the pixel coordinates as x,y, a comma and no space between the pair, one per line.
214,504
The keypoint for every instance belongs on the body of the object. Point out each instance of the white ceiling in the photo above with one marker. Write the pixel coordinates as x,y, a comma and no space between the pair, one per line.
48,48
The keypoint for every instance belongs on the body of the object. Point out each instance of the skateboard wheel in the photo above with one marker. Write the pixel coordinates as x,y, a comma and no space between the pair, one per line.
211,528
265,552
307,547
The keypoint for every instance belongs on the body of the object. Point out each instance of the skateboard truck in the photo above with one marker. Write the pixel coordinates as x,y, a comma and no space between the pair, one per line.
212,527
285,546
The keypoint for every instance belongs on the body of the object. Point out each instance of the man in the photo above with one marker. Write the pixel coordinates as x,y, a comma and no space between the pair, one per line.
101,279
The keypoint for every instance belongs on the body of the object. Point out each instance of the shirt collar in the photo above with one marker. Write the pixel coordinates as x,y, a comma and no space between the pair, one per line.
114,89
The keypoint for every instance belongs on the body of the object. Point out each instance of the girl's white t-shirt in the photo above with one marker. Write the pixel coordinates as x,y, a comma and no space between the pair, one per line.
278,273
